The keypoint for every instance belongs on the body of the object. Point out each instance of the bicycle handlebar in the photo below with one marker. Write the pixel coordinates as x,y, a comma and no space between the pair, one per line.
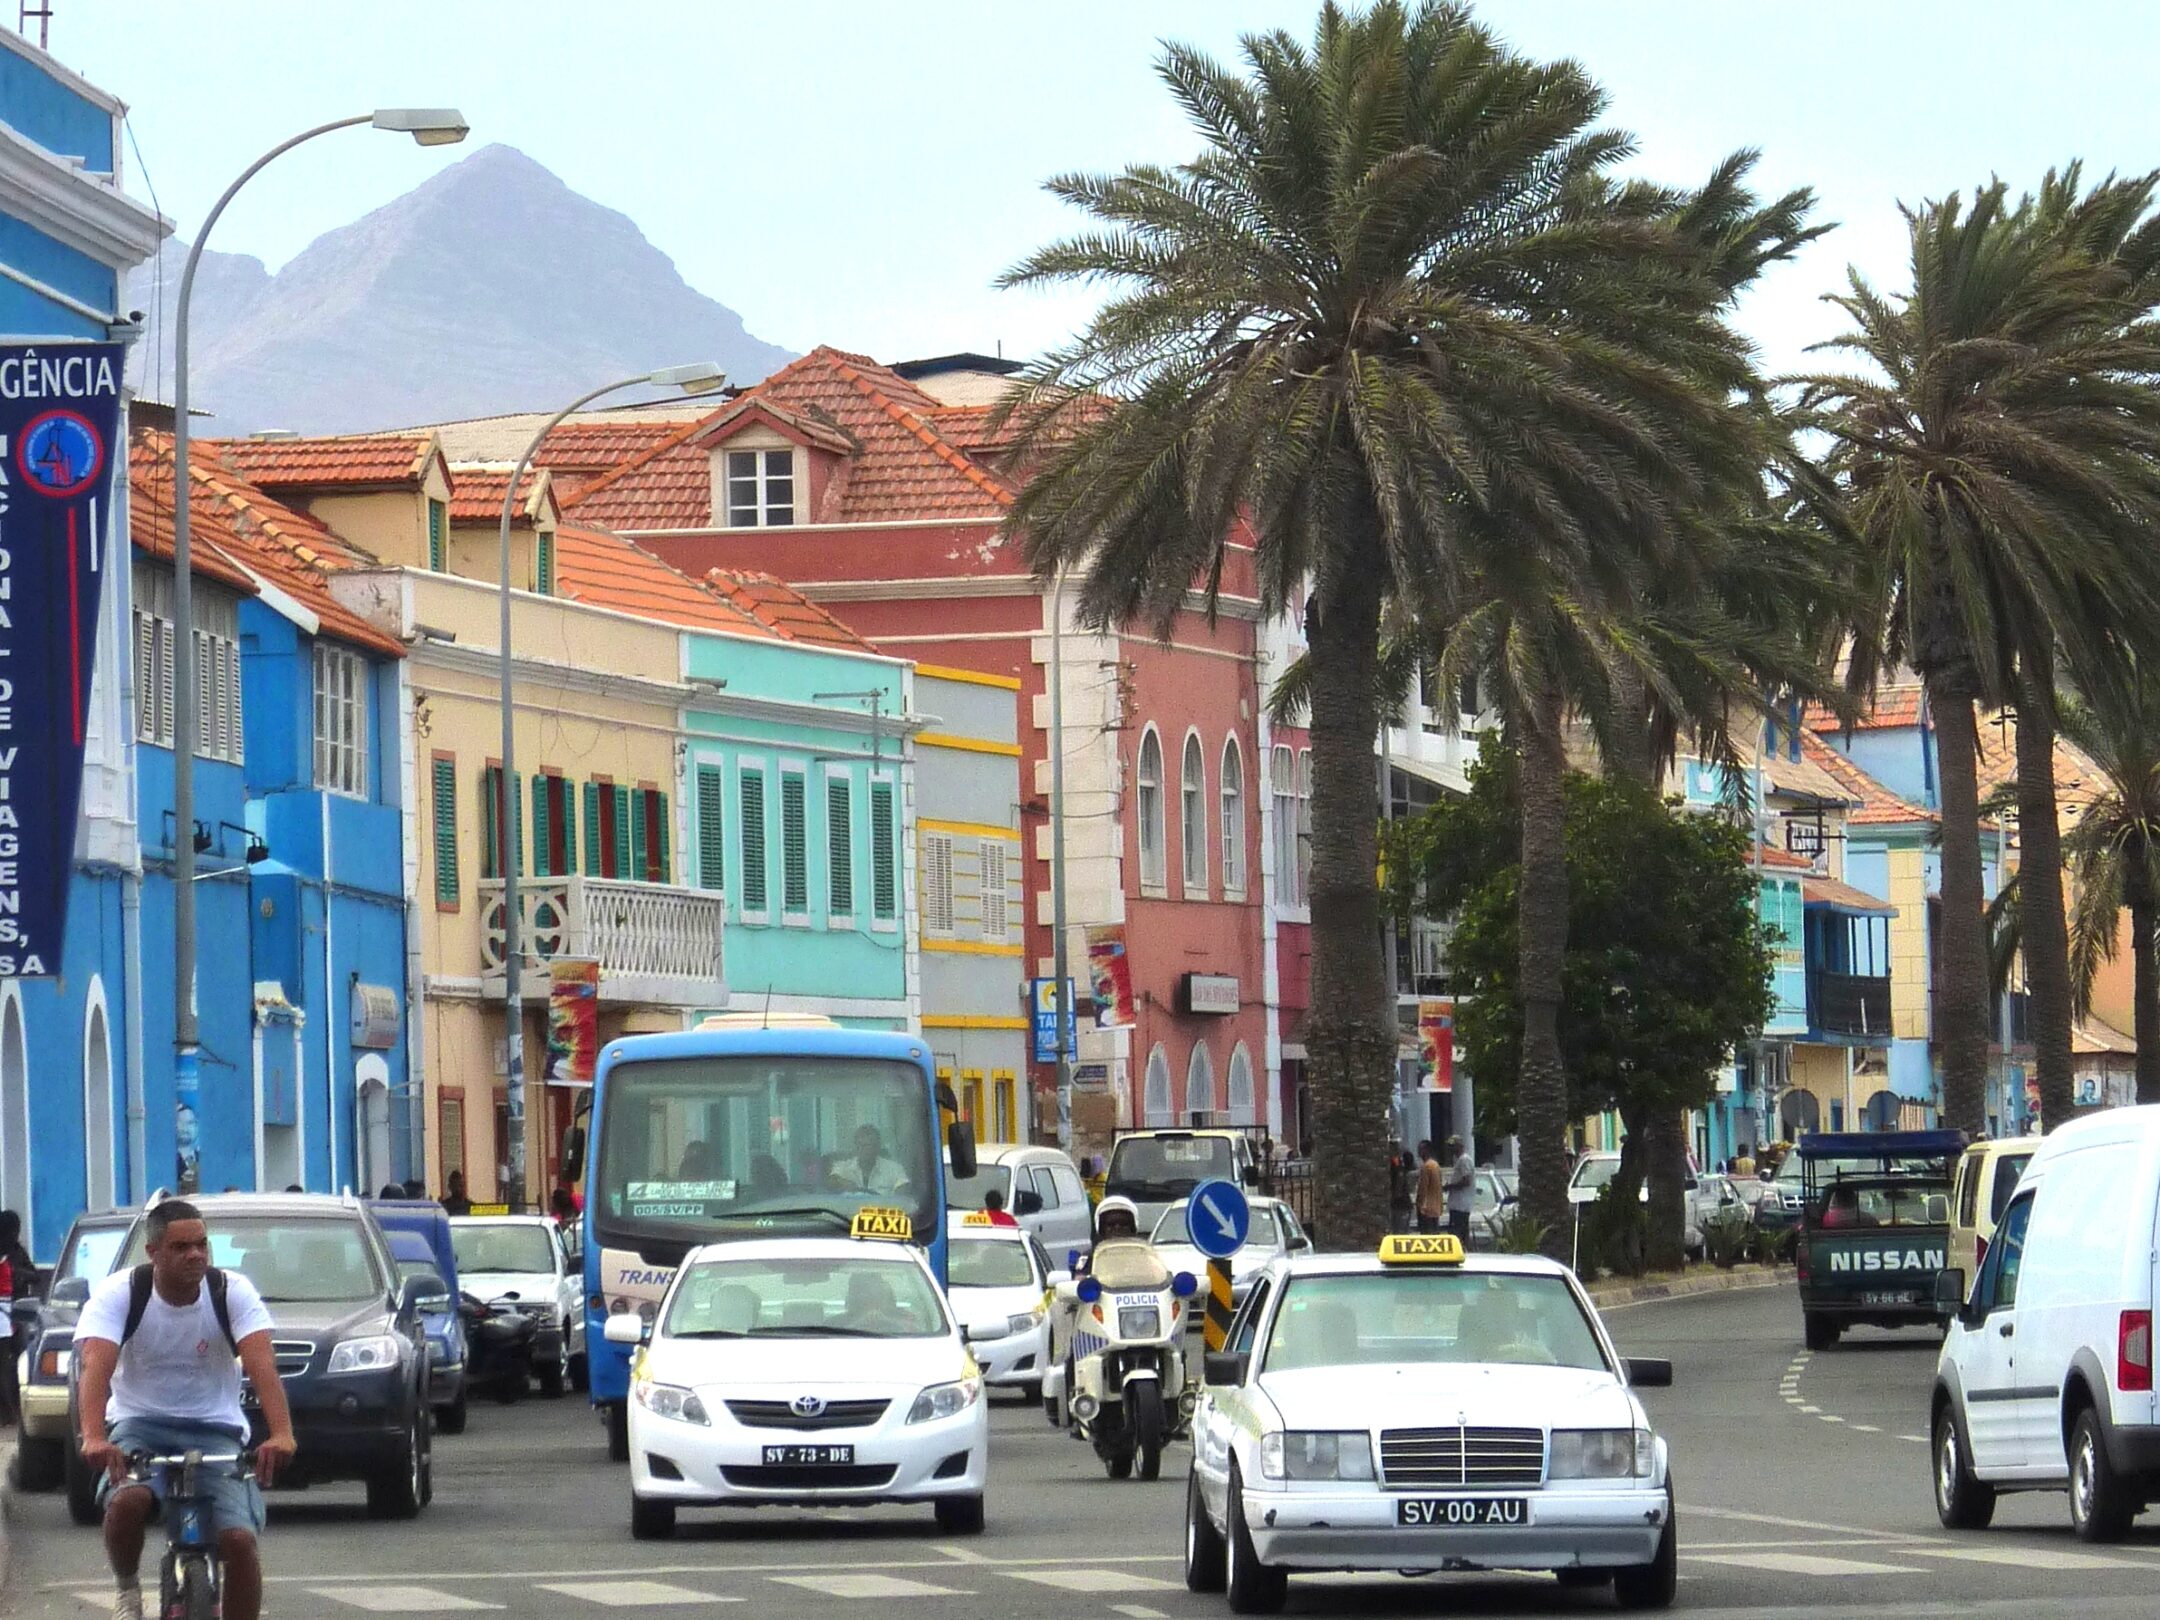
144,1459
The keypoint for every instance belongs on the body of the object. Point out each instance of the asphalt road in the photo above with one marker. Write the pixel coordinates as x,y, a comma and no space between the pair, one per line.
1803,1488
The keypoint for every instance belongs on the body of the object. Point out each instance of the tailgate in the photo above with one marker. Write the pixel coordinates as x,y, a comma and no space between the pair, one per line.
1894,1266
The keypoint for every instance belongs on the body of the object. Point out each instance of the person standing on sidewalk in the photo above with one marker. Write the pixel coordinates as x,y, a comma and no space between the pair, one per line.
1431,1191
1461,1189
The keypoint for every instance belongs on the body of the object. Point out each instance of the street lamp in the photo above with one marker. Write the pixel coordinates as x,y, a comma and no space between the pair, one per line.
701,378
430,126
1060,968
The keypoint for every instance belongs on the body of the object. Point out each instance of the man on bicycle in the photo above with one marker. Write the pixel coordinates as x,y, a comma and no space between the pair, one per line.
163,1365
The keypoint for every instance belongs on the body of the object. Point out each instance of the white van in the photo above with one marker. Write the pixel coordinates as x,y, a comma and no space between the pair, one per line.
1042,1190
2045,1381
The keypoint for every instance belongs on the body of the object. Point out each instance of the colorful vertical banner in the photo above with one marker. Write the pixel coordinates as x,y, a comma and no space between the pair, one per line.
1110,976
573,1042
1436,1042
59,449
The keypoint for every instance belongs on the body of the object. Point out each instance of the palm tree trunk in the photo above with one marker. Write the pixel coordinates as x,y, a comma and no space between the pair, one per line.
2040,890
2145,997
1350,1037
1961,991
1541,1105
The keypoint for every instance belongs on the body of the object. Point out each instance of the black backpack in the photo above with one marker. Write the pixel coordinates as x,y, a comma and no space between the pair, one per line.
139,1302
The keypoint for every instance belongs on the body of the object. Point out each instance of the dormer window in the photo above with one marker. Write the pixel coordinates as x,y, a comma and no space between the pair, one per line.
760,489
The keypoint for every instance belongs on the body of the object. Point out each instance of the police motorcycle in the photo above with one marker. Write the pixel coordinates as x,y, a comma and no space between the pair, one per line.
1119,1378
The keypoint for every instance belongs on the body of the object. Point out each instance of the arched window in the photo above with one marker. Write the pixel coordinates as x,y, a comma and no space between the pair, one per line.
1153,873
1242,1108
14,1110
1200,1082
1192,818
1799,1113
1233,819
97,1080
1155,1104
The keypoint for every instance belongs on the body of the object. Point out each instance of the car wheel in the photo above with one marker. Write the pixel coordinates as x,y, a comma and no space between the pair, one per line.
401,1490
1118,1464
651,1521
1653,1585
2100,1507
616,1415
1203,1542
40,1464
960,1515
450,1417
1821,1333
1961,1501
82,1486
1253,1587
555,1376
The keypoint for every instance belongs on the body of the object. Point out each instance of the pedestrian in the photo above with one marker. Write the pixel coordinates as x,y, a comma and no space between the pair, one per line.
1743,1163
453,1198
18,1278
1431,1190
1461,1189
559,1207
994,1207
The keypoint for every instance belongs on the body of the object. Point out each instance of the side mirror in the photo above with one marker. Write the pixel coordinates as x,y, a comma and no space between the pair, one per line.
1058,1280
1649,1372
1027,1202
420,1288
573,1154
1221,1367
960,1149
1950,1291
625,1327
71,1291
1251,1175
982,1332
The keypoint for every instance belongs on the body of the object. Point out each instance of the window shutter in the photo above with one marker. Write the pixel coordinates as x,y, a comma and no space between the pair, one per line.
711,824
884,890
663,867
794,844
991,866
490,814
541,847
146,682
438,524
166,660
517,824
592,829
840,844
623,868
566,810
751,790
446,852
544,562
636,873
937,895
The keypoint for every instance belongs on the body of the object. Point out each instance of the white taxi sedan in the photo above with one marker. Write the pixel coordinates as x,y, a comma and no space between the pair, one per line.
1000,1279
1423,1409
811,1371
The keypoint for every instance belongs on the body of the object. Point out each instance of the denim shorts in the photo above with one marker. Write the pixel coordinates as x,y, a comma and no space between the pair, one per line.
235,1503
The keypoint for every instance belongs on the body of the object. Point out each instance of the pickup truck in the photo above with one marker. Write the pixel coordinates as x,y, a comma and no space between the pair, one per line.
1874,1229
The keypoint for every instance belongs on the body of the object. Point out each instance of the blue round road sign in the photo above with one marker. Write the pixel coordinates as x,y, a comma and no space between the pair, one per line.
1218,1218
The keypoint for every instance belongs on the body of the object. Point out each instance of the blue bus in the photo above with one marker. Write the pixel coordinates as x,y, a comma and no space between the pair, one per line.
749,1128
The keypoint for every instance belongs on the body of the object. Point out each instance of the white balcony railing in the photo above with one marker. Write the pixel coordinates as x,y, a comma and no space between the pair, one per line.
654,942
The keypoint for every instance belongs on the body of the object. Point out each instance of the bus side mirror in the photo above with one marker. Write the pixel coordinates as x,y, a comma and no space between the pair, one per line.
573,1154
960,1148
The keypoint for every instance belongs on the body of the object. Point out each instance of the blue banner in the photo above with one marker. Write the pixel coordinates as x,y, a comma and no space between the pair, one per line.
59,451
1043,1018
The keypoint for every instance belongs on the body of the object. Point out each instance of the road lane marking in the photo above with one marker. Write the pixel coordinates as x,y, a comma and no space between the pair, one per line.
1916,1439
399,1599
1865,1428
1095,1580
1864,1532
2031,1557
960,1555
867,1586
1137,1611
1801,1563
362,1577
632,1594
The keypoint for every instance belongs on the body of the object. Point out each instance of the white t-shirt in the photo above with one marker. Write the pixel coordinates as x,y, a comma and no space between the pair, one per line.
177,1365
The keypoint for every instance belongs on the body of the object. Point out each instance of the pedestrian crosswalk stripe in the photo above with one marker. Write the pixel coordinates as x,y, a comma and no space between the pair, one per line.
1137,1611
399,1599
1094,1580
2030,1557
1802,1563
867,1586
632,1594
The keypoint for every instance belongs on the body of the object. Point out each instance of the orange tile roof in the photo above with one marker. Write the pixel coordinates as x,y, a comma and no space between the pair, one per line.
1823,891
1872,803
783,608
1895,706
605,570
353,462
476,492
1772,855
150,531
666,485
2077,778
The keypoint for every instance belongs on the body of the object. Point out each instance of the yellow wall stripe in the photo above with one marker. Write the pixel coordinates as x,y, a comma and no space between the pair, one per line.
967,745
968,829
970,947
973,677
974,1021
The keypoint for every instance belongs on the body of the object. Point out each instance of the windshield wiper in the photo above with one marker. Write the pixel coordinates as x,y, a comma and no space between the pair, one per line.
787,1211
817,1330
710,1333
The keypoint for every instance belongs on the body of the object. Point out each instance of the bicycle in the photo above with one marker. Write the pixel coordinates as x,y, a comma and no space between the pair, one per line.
189,1584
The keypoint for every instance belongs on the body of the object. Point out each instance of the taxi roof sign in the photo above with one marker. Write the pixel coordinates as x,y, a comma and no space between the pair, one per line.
1435,1249
890,1225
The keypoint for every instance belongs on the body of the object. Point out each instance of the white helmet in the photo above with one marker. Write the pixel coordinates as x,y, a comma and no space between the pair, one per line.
1119,1204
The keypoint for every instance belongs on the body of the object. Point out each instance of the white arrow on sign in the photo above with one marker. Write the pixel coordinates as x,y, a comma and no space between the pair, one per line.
1228,1226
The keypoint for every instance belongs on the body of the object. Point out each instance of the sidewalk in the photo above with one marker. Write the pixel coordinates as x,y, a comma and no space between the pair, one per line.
1680,1284
7,1470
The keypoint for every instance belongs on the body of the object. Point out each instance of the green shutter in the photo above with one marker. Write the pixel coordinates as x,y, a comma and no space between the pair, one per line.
592,829
884,889
446,868
754,869
544,563
711,851
517,824
490,812
663,867
438,536
840,845
623,835
569,828
541,842
794,845
637,836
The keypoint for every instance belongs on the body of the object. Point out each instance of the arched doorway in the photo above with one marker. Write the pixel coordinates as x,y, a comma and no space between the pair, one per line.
371,1122
1155,1101
1883,1111
1200,1085
14,1108
1798,1114
1243,1109
97,1082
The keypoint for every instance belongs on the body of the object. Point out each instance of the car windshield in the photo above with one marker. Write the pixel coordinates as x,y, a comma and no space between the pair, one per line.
1431,1316
2006,1179
1596,1172
1128,1263
752,1145
1881,1201
501,1246
1170,1166
92,1253
1172,1228
966,1192
804,1299
988,1263
291,1259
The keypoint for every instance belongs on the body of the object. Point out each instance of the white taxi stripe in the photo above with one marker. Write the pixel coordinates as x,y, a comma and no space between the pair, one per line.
632,1594
1095,1580
399,1599
866,1586
1800,1563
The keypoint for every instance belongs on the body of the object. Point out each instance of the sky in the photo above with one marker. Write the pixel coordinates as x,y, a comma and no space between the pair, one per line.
844,172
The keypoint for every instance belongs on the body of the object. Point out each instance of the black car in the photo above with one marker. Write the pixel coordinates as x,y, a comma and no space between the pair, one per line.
45,1323
351,1350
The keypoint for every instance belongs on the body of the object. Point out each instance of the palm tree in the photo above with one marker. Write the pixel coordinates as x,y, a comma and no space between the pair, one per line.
1997,462
1391,316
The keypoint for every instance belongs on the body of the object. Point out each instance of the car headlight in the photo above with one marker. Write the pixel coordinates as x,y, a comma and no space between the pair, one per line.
1139,1321
1601,1454
52,1365
371,1354
1316,1454
1025,1322
945,1400
671,1401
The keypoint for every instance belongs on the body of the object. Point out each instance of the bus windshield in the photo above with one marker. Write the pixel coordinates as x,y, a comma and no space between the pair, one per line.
696,1148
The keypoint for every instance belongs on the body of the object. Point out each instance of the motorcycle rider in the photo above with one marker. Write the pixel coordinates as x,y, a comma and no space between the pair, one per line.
1116,1217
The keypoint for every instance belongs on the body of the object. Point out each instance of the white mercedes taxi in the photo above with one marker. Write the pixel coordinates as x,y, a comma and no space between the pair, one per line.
1422,1410
812,1371
1000,1279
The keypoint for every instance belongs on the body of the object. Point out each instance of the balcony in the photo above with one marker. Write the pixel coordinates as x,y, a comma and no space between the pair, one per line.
1849,1004
656,944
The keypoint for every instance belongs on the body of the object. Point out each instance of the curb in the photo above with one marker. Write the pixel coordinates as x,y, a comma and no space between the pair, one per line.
1717,1282
7,1475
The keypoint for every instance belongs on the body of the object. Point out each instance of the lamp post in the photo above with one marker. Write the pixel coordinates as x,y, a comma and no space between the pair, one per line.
1060,968
430,126
701,378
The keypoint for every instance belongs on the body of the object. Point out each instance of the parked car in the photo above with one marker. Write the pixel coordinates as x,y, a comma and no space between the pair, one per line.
445,1332
1274,1230
87,1255
1493,1207
1778,1207
1987,1176
351,1351
523,1260
2045,1378
1042,1190
1156,1168
1595,1169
